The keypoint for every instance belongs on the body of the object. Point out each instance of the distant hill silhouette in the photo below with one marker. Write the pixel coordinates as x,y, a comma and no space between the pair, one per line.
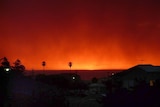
85,74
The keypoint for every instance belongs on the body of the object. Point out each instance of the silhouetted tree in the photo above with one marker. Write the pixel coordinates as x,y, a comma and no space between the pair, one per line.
18,66
70,64
43,64
4,62
4,79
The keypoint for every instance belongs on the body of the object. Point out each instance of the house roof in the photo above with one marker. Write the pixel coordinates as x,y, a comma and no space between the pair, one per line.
145,68
149,68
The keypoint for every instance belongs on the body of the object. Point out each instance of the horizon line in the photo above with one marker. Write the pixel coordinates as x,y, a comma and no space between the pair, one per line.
71,69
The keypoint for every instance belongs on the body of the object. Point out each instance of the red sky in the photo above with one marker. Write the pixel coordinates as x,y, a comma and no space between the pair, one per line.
93,34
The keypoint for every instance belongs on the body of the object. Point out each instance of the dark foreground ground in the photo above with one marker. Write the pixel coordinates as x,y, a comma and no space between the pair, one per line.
20,91
142,97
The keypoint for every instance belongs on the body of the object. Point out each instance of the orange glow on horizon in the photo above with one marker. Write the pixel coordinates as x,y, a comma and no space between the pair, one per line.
91,34
83,62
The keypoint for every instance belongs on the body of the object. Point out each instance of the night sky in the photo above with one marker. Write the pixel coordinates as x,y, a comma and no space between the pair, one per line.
93,34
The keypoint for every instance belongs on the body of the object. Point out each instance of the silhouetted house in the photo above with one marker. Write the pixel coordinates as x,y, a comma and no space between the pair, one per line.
97,88
147,74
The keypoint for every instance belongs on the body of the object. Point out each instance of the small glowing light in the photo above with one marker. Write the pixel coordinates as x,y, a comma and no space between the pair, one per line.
151,83
73,78
7,69
112,73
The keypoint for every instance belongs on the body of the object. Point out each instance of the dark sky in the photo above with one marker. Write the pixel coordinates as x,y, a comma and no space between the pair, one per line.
93,34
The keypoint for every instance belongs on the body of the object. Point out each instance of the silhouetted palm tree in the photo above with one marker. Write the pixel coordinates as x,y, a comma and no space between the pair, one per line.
70,64
43,64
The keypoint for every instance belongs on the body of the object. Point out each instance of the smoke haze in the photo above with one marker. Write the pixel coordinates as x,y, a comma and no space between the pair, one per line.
93,34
